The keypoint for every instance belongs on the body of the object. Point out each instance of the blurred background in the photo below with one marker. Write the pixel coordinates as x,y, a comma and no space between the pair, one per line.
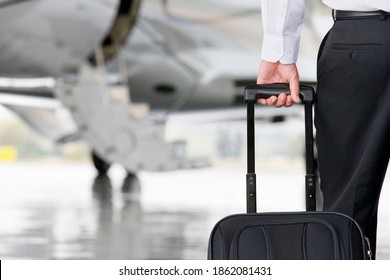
122,126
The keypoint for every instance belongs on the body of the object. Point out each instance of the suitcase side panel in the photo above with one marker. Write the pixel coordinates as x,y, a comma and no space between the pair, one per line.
223,233
280,239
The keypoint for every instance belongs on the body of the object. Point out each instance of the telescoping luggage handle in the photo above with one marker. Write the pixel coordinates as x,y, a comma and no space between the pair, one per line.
251,94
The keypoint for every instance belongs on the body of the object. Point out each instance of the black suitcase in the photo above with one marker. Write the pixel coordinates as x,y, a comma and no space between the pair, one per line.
306,235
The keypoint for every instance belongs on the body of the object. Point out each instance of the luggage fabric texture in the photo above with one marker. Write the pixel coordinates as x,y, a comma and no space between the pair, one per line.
310,235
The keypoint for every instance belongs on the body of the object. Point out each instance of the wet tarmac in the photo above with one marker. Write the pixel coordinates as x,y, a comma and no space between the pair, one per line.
61,210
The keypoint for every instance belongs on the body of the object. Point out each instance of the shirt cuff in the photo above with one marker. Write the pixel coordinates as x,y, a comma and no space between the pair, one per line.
279,48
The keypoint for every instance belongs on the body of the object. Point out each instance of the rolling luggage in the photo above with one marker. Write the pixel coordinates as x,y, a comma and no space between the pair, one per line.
307,235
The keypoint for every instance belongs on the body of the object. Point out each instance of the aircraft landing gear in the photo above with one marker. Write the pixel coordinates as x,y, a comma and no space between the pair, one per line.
101,165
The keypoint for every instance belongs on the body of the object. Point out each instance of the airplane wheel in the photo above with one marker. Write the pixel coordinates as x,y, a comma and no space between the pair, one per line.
131,183
100,165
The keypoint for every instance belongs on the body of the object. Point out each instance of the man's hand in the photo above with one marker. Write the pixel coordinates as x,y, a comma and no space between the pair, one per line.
270,72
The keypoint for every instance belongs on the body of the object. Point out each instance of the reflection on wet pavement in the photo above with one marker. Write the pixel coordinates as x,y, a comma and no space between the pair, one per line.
136,234
62,211
41,219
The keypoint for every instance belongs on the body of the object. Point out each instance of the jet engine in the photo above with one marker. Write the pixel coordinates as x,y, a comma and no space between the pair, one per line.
51,38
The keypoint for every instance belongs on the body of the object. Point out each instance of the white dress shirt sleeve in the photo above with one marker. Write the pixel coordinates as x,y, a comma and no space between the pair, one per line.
282,23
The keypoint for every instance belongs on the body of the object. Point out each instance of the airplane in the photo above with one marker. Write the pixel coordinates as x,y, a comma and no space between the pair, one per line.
112,72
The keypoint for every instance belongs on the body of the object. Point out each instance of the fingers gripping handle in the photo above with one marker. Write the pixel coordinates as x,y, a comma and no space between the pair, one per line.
254,92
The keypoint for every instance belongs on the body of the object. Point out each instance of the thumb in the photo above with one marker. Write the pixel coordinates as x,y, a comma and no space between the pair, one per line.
294,89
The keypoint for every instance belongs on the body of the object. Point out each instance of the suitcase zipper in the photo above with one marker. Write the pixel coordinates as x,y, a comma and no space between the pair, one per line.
369,251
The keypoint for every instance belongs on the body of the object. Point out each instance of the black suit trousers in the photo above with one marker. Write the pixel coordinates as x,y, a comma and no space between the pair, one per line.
352,118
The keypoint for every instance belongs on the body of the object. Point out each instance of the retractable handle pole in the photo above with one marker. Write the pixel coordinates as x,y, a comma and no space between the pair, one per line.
251,94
